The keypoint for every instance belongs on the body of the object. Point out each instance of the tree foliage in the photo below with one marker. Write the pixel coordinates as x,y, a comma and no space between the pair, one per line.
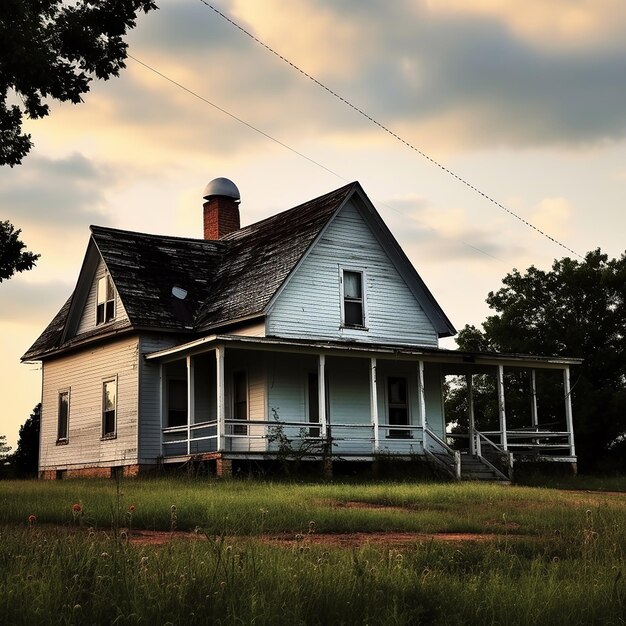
25,459
13,257
4,457
577,309
53,49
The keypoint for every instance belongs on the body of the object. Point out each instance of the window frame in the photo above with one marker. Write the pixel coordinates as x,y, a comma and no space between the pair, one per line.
391,432
109,299
63,440
240,429
110,434
364,313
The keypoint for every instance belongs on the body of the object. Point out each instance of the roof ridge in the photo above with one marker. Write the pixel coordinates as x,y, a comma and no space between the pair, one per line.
277,216
95,227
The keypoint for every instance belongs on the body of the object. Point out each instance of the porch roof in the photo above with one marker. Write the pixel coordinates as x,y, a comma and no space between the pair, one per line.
456,361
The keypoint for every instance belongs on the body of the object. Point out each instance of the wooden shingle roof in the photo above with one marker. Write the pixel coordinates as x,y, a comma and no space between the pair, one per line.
225,280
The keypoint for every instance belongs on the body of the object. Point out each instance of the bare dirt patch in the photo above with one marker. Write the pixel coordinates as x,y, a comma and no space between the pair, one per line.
337,540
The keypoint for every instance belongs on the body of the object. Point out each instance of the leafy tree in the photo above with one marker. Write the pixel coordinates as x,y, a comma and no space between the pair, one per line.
53,49
25,459
576,309
12,257
4,456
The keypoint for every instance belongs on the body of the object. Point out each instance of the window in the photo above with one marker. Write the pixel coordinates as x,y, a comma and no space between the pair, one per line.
353,309
398,405
63,416
176,402
313,404
240,401
105,309
109,407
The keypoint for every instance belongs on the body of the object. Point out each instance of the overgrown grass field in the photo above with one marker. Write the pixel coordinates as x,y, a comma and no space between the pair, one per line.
550,556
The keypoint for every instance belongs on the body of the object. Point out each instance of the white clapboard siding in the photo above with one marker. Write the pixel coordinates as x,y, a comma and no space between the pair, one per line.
310,305
83,374
433,392
88,316
150,398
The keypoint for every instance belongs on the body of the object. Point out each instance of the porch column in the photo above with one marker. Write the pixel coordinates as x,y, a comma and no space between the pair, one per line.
501,409
162,405
470,404
533,398
191,406
221,405
568,411
321,390
421,400
374,403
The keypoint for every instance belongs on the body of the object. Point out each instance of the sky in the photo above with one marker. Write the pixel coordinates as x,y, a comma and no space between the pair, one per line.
528,106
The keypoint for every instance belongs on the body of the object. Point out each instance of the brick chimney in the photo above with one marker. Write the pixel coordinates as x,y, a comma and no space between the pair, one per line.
221,209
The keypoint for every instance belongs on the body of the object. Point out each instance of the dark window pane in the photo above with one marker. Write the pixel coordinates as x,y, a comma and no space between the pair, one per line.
109,423
110,310
100,314
397,398
353,313
177,403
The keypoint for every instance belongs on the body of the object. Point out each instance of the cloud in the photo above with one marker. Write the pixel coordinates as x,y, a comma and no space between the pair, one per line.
558,24
444,78
56,193
447,235
30,303
552,215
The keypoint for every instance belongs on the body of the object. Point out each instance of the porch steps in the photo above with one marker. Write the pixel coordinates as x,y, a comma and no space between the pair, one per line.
474,468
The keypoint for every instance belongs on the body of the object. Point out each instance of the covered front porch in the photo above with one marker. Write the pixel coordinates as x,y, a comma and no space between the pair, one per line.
234,397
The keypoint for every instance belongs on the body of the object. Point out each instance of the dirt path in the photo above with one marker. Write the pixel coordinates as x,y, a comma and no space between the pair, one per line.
340,540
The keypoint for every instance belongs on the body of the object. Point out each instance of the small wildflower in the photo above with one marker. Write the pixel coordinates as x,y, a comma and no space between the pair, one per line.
131,508
173,508
76,508
32,519
311,527
105,555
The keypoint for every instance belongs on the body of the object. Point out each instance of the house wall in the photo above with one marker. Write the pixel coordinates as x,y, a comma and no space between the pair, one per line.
83,374
310,305
88,318
150,398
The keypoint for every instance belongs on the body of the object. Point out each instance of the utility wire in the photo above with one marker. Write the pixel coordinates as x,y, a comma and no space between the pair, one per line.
386,129
277,141
238,119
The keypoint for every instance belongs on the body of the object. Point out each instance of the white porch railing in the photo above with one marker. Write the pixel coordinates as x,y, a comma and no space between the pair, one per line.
262,436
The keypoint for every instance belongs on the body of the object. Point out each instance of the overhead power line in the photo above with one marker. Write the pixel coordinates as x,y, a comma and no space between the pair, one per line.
387,130
238,119
277,141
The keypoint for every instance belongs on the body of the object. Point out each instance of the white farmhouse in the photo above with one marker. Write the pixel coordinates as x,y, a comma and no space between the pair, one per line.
308,333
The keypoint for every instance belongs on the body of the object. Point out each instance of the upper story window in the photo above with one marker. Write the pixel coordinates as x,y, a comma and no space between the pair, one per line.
105,309
353,310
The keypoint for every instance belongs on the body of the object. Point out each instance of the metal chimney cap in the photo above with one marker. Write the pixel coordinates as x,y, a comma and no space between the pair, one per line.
221,187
